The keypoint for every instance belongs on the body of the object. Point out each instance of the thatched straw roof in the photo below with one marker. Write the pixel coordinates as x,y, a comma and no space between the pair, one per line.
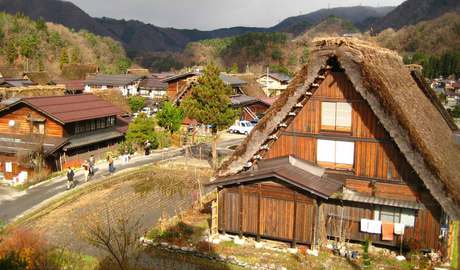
421,130
39,77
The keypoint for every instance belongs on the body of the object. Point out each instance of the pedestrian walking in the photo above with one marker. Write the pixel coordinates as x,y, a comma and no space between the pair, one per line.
92,163
147,146
70,175
126,157
110,161
86,170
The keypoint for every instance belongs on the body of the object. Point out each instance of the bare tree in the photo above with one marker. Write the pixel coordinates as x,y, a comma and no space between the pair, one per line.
116,234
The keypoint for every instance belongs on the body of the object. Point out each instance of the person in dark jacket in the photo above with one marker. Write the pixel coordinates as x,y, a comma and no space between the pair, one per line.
70,175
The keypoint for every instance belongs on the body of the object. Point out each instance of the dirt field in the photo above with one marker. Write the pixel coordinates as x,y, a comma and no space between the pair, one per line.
146,194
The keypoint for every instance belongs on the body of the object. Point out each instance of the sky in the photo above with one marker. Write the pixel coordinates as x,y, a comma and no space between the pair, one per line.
213,14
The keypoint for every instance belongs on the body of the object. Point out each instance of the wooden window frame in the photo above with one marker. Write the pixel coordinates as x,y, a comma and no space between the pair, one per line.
334,130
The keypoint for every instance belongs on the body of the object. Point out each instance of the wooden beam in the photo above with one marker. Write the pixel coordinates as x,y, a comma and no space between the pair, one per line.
240,219
223,192
259,211
294,231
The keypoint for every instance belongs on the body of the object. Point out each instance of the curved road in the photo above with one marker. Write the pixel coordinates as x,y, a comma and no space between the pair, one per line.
14,204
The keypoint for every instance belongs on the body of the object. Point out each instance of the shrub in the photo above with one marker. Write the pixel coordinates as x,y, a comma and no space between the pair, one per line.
136,103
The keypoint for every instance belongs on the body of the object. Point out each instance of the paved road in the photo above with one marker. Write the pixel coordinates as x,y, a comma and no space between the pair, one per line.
14,204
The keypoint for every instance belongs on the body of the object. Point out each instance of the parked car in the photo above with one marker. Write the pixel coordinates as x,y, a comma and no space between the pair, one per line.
242,127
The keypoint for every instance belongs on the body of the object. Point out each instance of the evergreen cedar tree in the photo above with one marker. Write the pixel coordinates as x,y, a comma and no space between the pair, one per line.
209,102
140,130
170,117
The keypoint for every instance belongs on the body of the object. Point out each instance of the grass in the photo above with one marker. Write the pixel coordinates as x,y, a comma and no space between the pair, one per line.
455,254
66,259
200,263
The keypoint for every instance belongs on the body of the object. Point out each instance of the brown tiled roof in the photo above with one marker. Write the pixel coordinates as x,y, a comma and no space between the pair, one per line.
152,82
71,108
113,80
290,170
72,85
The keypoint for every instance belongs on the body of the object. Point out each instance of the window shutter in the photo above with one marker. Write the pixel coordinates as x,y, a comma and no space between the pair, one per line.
326,151
345,152
343,118
328,115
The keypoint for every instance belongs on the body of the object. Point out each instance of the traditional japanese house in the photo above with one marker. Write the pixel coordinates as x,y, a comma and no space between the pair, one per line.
127,84
251,108
357,148
154,88
179,86
56,127
274,83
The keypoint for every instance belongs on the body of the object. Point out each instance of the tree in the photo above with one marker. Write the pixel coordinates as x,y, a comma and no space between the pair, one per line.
115,233
28,47
234,69
136,103
11,52
75,56
210,104
64,58
40,25
170,117
141,130
124,64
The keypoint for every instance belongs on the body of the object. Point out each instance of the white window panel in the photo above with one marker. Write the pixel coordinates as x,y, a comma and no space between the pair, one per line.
343,116
8,167
328,114
408,217
345,152
326,151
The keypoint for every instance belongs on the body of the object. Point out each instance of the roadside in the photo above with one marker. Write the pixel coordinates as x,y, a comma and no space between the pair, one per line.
145,194
15,204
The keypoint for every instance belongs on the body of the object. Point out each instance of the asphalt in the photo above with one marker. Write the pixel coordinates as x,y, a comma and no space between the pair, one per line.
14,204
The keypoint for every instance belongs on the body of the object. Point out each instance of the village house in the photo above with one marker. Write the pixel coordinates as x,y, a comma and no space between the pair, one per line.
341,155
55,128
274,83
251,108
153,88
127,84
179,86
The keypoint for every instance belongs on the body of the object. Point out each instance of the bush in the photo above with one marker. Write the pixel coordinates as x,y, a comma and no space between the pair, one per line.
136,103
140,130
21,245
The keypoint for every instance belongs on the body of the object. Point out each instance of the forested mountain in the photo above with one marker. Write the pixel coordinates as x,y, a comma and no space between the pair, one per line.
140,38
413,11
357,15
40,46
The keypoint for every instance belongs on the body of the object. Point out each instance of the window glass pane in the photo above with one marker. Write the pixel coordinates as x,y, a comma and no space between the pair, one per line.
328,115
408,217
390,214
343,117
8,167
326,151
345,152
41,128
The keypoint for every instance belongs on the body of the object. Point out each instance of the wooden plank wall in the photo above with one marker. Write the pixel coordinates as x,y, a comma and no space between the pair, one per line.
23,127
376,155
347,224
269,210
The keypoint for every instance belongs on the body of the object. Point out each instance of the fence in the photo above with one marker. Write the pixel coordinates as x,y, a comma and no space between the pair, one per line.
78,159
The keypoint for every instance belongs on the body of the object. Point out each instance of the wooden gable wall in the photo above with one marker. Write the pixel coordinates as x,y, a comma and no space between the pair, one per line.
376,156
20,115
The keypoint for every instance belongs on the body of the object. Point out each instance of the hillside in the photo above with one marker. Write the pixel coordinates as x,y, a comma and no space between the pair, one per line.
357,15
330,26
413,11
39,46
141,39
435,44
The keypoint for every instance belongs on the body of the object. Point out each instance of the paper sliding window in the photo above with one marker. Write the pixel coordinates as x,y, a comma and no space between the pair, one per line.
336,116
335,154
